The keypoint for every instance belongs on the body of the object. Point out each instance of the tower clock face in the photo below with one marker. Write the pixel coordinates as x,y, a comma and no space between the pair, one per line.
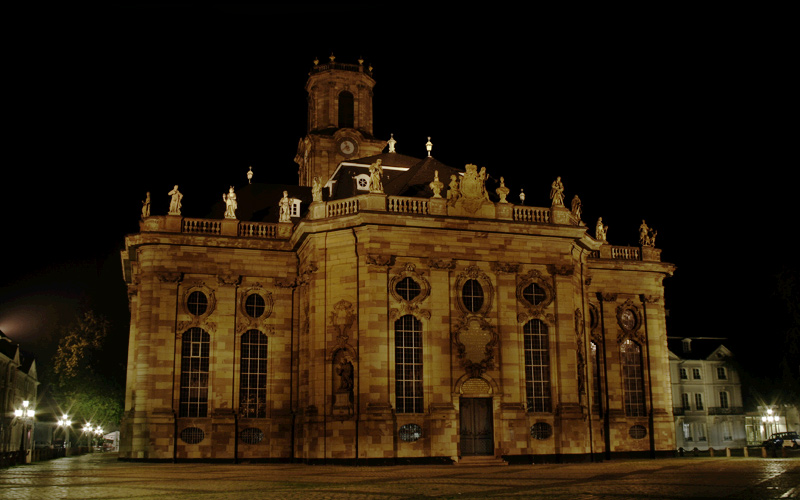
347,147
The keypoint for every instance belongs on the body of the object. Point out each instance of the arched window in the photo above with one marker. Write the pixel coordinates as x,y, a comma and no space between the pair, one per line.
632,379
253,375
346,110
194,373
537,366
408,364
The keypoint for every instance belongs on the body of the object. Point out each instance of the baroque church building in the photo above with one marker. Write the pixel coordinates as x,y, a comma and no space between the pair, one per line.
390,309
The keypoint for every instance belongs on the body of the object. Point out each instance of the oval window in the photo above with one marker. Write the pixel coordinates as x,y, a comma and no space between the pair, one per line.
197,303
410,433
472,295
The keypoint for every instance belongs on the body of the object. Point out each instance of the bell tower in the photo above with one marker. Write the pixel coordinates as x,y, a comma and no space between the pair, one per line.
339,119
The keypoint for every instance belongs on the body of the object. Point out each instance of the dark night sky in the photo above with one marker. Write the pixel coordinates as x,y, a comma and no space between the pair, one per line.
678,122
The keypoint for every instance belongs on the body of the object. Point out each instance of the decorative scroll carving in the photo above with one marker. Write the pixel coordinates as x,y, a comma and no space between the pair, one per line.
561,270
533,307
201,319
444,264
596,332
580,338
342,318
504,267
629,319
374,259
170,277
303,276
229,279
245,319
650,299
473,272
475,341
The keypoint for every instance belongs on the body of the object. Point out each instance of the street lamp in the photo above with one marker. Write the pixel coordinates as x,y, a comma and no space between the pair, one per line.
66,423
26,414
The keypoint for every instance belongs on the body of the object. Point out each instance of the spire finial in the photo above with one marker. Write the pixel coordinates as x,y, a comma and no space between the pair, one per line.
429,145
391,143
250,176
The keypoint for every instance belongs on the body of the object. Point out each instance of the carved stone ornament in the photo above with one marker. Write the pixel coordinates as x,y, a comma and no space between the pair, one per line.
561,270
443,264
475,341
580,340
253,317
630,320
473,272
378,260
533,308
505,267
409,271
190,318
170,277
342,318
303,276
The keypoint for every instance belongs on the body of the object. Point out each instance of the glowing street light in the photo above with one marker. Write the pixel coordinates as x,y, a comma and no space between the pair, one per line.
26,414
66,423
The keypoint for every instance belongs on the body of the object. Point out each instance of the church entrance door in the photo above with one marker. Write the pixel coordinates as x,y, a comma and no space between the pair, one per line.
477,437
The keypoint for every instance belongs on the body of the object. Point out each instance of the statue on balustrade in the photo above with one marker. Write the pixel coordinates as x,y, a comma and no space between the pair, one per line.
647,237
175,201
601,231
283,205
577,207
557,192
376,177
146,206
453,193
230,204
316,190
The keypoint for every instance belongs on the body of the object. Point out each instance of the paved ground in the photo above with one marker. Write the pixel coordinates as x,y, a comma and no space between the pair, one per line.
101,476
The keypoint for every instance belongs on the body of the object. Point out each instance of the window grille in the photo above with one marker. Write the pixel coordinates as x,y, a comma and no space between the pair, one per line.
253,375
410,432
192,435
408,365
632,379
537,366
194,373
541,430
637,431
251,435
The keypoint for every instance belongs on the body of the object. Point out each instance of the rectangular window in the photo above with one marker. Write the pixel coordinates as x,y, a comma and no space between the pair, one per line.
194,373
537,366
253,375
698,401
696,373
632,379
408,365
684,375
685,401
727,431
687,432
722,374
723,399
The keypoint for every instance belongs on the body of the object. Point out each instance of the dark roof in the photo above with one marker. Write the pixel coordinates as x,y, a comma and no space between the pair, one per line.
258,202
416,181
701,347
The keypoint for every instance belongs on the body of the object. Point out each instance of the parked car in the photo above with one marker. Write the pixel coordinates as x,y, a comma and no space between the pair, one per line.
780,439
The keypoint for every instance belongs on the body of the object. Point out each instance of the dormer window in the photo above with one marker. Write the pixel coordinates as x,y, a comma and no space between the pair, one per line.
294,207
687,345
362,182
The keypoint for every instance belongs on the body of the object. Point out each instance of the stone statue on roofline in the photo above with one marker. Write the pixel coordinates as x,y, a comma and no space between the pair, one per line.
436,186
230,203
502,191
577,207
283,205
146,206
175,201
453,193
557,192
376,177
601,231
316,190
647,237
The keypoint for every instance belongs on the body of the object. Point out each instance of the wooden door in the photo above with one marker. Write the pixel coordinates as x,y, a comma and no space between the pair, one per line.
477,437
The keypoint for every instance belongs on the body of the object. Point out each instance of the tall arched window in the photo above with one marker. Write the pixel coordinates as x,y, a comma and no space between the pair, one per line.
408,365
632,379
346,110
537,366
194,373
253,375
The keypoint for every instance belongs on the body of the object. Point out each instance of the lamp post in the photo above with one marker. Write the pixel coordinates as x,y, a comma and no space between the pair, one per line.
99,431
26,414
770,421
88,430
66,423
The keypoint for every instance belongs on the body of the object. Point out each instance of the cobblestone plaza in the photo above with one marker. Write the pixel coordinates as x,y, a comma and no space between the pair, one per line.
101,476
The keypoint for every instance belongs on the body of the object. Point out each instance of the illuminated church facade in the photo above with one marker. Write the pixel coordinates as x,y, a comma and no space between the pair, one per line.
408,313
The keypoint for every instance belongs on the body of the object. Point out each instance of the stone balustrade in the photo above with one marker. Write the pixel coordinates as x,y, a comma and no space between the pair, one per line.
372,202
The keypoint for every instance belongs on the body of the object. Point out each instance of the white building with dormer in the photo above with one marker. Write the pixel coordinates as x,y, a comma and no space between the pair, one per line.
706,394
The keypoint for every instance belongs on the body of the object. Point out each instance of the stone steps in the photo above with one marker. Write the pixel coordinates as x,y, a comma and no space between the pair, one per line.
481,461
